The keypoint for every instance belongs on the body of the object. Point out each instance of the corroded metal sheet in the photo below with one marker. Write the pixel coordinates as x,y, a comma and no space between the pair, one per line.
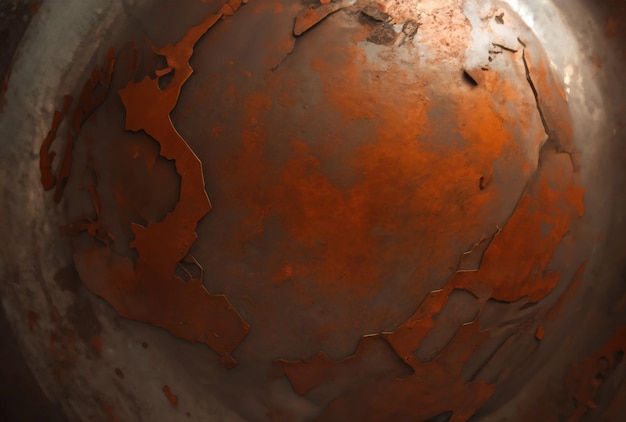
398,214
148,289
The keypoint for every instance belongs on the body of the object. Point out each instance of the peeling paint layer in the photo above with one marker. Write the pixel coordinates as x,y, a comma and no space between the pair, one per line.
149,289
512,265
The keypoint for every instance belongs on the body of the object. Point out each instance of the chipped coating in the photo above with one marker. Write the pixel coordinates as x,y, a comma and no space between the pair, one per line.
553,200
402,196
163,245
484,283
412,398
148,290
311,17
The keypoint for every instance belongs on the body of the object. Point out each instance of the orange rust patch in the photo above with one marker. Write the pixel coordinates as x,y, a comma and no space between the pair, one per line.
408,398
148,290
411,197
554,200
502,275
539,334
403,173
173,398
514,265
161,246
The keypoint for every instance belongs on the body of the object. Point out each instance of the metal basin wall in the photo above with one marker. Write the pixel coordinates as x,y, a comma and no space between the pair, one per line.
289,210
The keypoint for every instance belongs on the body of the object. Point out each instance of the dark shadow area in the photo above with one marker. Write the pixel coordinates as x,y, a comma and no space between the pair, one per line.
21,398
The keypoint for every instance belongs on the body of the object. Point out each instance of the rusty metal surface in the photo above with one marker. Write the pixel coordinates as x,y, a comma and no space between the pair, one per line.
415,211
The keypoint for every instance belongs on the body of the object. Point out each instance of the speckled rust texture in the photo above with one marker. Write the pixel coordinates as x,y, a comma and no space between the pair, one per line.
358,186
148,289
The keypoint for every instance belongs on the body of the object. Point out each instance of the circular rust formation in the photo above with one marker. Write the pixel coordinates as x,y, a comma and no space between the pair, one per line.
347,195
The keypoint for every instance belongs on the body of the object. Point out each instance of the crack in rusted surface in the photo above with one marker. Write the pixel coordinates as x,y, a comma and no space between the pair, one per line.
409,398
307,20
478,246
294,40
312,16
551,110
494,278
166,282
534,90
497,278
504,47
551,199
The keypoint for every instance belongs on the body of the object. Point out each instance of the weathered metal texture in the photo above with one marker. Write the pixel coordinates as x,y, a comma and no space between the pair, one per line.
406,221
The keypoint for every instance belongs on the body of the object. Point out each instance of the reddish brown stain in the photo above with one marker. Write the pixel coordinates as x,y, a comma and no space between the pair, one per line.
96,343
173,398
33,318
34,6
110,413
